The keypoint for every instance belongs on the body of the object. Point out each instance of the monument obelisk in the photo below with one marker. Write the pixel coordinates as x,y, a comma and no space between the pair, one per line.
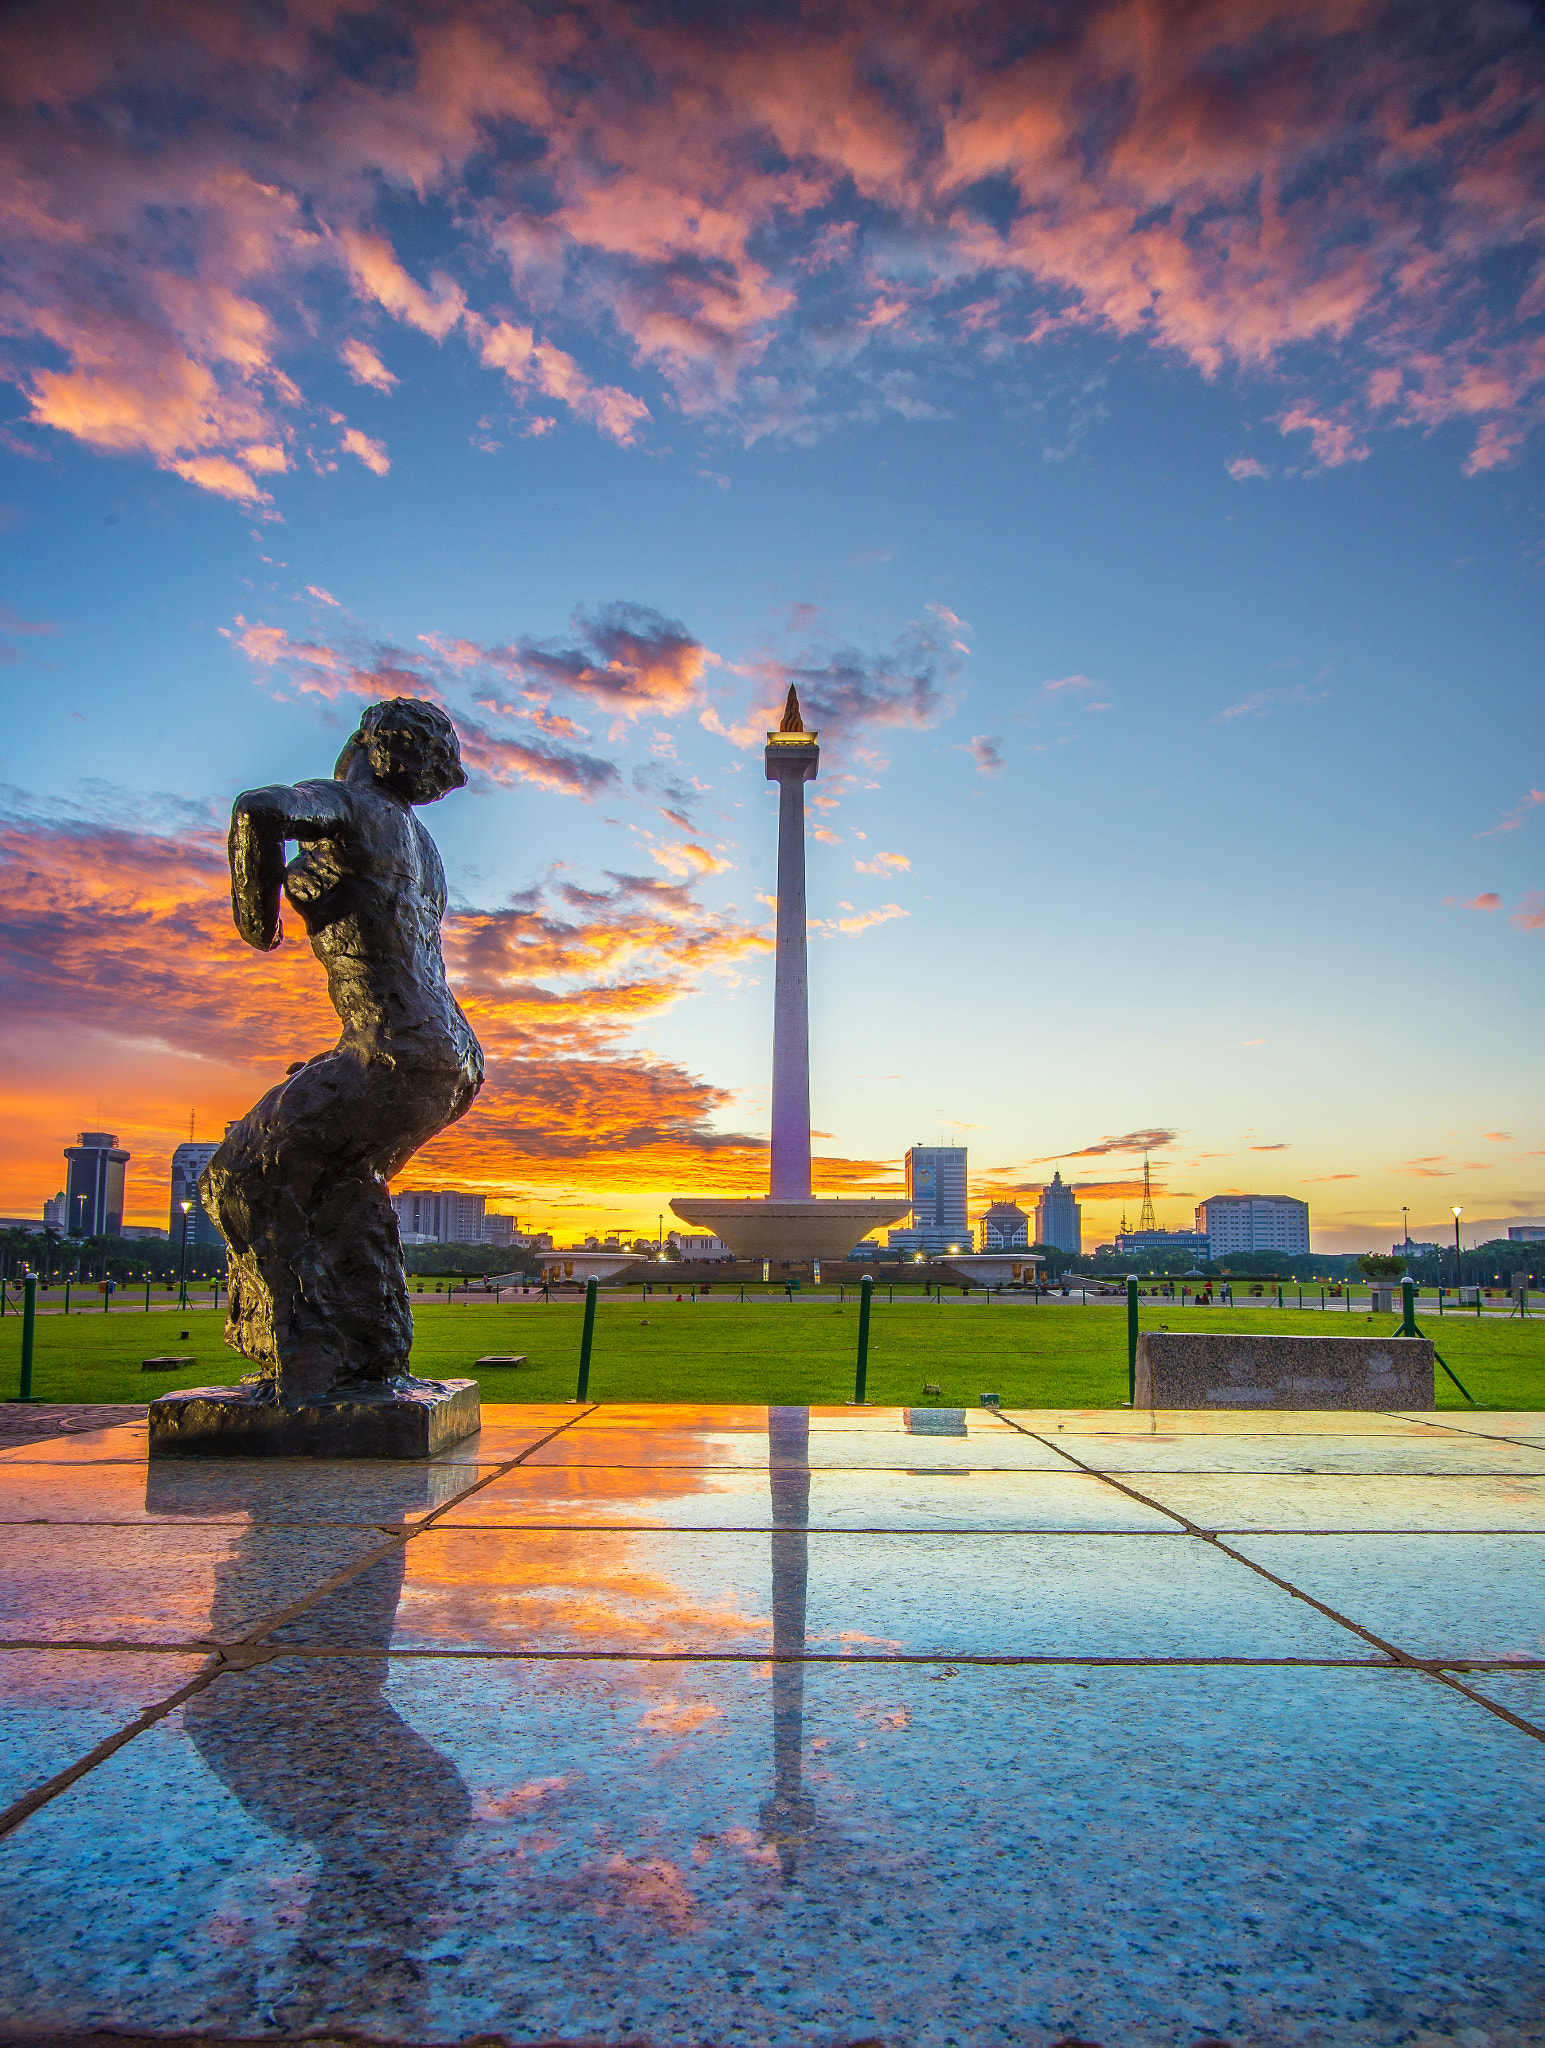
790,1223
793,759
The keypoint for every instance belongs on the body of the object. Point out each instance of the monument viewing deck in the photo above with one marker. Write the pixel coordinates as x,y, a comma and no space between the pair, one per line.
782,1725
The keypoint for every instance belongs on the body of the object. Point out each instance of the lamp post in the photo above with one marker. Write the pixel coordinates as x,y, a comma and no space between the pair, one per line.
1458,1266
182,1270
1405,1217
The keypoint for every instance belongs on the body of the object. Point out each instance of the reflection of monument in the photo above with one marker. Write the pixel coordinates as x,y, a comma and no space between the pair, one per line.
789,1815
790,1223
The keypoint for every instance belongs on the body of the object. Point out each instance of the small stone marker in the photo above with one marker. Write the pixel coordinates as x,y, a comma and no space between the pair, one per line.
503,1358
164,1364
1184,1370
936,1421
990,1400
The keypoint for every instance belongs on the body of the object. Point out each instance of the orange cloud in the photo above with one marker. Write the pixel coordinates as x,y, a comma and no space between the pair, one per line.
1530,914
1487,900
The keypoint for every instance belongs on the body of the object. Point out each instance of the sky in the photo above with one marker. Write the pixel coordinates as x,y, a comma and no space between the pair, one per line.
1118,418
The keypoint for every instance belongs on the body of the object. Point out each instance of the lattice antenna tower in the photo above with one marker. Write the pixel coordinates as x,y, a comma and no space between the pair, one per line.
1145,1221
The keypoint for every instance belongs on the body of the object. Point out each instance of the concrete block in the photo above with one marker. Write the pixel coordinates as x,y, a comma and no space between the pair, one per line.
1182,1370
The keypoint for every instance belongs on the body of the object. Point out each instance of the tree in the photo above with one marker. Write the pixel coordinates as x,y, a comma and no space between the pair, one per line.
1380,1266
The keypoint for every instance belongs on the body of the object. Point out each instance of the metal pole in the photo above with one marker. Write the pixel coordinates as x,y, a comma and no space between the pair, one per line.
586,1337
29,1309
1131,1340
147,1297
1408,1308
861,1371
67,1297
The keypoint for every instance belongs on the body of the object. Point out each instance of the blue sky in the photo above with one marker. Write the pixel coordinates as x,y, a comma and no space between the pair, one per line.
1181,764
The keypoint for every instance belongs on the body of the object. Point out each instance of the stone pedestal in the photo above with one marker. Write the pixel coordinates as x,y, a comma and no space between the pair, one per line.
1180,1370
405,1418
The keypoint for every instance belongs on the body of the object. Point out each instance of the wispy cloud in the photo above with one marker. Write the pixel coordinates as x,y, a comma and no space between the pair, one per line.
1530,914
1487,900
1517,817
883,864
1151,1140
1260,702
986,750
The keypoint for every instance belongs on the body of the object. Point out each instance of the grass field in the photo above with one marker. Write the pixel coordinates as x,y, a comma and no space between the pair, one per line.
766,1351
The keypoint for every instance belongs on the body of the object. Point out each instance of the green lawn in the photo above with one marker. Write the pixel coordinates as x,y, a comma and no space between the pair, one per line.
1034,1357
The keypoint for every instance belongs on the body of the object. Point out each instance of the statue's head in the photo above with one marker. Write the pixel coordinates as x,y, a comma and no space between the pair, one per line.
411,747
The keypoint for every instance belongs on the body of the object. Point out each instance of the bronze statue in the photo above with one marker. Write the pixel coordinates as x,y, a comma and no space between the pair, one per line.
318,1296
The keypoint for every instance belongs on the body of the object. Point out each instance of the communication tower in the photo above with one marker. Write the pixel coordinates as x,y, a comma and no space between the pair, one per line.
1145,1221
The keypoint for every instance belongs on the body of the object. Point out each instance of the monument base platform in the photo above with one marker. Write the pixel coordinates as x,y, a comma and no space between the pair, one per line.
758,1227
406,1419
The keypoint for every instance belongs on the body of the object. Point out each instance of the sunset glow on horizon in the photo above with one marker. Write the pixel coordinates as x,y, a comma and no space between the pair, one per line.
1120,421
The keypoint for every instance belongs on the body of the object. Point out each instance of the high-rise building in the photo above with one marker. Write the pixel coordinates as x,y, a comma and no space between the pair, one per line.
56,1212
93,1188
1059,1220
1253,1223
936,1188
195,1226
1005,1228
441,1216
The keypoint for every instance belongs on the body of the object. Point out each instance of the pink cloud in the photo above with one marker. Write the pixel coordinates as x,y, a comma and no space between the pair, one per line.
1515,818
1530,914
706,192
1487,900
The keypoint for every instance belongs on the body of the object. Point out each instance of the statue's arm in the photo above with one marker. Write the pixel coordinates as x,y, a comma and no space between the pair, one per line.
261,821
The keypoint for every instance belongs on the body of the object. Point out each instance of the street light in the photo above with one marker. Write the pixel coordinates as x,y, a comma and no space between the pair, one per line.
1405,1215
1458,1267
182,1271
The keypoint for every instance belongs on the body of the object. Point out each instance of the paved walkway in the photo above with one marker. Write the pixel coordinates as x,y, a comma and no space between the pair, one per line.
691,1726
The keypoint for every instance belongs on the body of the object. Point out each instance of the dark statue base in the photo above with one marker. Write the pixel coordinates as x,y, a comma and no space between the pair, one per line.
407,1418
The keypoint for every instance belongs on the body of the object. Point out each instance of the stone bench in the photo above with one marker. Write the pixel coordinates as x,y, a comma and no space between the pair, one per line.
1185,1370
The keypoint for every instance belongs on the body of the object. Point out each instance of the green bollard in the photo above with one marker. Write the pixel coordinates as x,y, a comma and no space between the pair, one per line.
67,1297
1131,1340
861,1370
147,1297
1408,1309
587,1336
29,1310
1280,1302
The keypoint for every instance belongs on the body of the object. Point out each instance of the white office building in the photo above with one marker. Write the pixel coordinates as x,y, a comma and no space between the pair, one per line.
1059,1220
450,1216
1253,1223
936,1188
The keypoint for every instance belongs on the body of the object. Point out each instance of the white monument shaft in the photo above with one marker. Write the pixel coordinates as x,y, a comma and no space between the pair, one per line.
788,1223
790,1177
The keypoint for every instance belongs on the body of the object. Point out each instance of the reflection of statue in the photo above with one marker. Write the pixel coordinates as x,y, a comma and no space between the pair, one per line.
313,1750
318,1298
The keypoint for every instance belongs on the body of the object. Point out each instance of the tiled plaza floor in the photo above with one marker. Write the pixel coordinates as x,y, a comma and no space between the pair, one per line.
738,1726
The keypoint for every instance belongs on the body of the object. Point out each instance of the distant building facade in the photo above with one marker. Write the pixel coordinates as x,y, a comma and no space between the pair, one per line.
195,1226
1148,1244
1005,1228
1253,1223
936,1188
93,1187
1525,1233
450,1216
56,1212
1059,1220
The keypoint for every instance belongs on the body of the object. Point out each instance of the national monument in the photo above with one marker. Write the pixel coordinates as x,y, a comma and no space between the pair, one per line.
789,1222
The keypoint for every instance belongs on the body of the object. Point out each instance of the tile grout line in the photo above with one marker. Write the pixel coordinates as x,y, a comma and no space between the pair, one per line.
229,1657
1392,1650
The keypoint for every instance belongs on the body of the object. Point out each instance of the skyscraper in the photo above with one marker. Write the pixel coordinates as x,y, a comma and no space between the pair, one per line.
445,1215
93,1188
936,1187
201,1231
1058,1218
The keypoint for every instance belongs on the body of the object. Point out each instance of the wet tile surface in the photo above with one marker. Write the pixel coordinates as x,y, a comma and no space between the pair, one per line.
56,1705
526,1774
230,1490
683,1854
1284,1452
1254,1500
732,1498
923,1595
1431,1596
1220,1422
78,1583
